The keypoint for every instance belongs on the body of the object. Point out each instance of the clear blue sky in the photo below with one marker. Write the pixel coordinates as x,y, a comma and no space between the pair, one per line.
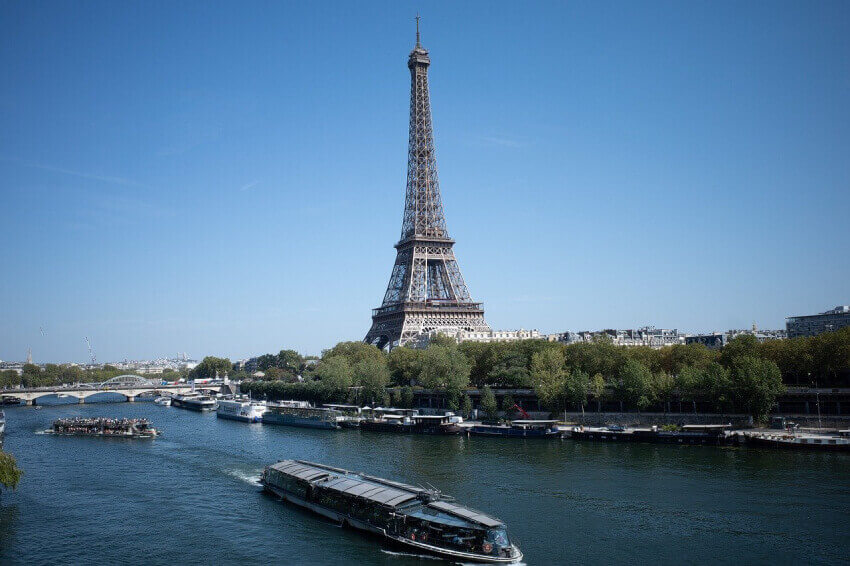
228,178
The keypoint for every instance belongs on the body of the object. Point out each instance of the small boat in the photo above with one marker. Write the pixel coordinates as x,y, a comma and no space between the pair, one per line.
798,441
2,423
714,435
417,519
300,413
409,421
351,415
241,409
519,429
164,401
194,402
103,427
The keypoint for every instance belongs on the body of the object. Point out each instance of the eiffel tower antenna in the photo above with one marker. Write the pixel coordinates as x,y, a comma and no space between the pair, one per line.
426,291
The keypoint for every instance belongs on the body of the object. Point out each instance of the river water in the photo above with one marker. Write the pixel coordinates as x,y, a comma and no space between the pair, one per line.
191,497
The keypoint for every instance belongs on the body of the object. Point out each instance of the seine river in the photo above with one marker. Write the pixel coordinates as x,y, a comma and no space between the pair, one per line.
191,497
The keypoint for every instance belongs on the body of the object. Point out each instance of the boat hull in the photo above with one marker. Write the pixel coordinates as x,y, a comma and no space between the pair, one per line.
241,418
411,428
513,433
402,542
193,406
293,420
661,437
788,445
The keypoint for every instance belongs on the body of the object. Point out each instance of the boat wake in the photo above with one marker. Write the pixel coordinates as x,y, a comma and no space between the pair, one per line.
247,477
411,555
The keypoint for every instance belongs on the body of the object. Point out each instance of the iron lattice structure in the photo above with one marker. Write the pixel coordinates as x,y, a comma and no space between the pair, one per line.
426,291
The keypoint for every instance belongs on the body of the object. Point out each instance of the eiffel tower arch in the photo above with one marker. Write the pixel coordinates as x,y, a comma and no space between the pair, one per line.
426,291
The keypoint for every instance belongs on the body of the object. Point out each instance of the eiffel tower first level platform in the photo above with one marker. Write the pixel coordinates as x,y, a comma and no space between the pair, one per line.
426,292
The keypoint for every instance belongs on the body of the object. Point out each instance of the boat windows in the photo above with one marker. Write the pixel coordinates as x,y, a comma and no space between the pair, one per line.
499,537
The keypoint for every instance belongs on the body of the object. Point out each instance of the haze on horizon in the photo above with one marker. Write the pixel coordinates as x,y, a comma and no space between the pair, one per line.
229,179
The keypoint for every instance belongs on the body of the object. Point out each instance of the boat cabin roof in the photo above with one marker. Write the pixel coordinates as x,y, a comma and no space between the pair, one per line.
465,513
415,500
706,426
431,417
534,422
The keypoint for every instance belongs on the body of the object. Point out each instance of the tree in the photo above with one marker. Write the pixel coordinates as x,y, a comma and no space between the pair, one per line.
273,373
334,373
676,358
597,389
508,406
407,397
739,347
354,352
548,376
395,397
511,371
405,364
10,474
576,388
635,385
755,385
488,404
442,340
210,366
444,367
266,361
466,407
290,362
373,376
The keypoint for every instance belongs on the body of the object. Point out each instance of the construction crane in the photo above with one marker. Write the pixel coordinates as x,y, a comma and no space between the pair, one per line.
93,359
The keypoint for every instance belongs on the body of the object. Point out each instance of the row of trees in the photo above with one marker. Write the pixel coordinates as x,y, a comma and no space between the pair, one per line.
54,374
741,377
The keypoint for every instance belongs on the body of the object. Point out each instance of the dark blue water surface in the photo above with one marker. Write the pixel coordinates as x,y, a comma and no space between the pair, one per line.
191,497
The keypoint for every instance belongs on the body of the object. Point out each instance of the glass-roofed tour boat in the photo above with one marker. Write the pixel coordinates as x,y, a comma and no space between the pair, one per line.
418,519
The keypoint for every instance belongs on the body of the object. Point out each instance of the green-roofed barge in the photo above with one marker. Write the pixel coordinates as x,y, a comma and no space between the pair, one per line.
418,519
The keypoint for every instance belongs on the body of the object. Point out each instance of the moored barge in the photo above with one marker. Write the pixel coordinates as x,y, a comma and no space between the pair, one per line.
299,413
194,402
711,435
417,424
415,518
241,409
798,441
105,427
519,429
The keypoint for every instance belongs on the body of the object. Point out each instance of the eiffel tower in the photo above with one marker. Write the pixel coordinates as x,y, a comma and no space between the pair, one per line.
426,291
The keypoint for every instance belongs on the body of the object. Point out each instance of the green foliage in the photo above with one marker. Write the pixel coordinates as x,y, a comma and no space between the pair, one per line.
466,407
312,391
576,387
209,366
488,404
755,385
273,373
596,387
407,397
10,474
676,358
354,352
373,376
405,364
335,375
634,385
549,377
395,397
444,367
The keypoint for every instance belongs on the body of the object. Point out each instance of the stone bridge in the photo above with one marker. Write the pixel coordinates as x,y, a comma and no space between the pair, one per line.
130,386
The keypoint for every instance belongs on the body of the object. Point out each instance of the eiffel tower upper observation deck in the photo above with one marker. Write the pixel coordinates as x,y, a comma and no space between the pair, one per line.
426,291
